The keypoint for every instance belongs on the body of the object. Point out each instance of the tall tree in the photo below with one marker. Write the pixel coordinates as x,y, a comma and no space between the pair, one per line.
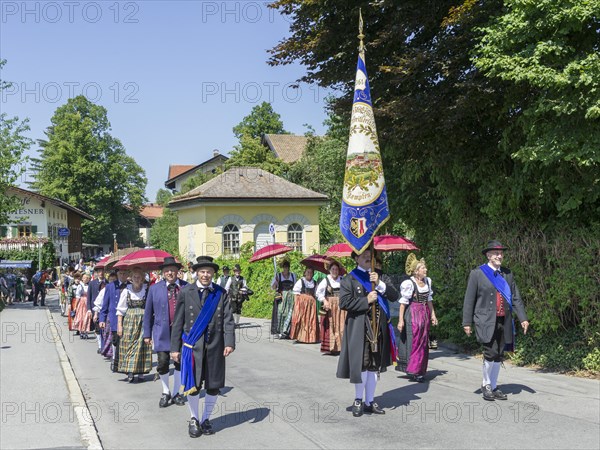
164,233
13,144
555,131
250,151
163,196
83,164
261,120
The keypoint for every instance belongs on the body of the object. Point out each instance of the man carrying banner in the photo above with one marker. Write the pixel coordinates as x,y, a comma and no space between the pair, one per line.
365,351
489,301
202,337
367,343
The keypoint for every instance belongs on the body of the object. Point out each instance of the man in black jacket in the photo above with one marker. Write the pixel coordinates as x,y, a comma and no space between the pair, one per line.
212,346
491,296
364,353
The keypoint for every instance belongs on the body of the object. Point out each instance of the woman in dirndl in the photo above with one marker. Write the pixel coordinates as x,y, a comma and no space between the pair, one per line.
72,302
305,320
416,315
283,304
333,319
135,356
82,319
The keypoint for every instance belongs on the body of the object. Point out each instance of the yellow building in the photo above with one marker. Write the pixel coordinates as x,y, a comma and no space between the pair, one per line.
238,206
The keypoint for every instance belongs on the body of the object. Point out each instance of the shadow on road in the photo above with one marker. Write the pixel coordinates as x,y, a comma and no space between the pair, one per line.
238,417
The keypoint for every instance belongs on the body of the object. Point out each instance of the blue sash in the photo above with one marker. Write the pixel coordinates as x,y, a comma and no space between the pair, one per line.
363,278
188,378
501,286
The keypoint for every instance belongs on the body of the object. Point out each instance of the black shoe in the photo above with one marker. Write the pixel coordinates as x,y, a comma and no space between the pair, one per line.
487,393
499,395
165,400
99,351
130,378
373,408
207,428
194,428
178,400
357,408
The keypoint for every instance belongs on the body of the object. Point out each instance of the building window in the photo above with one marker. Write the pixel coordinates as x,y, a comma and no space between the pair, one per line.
231,239
24,231
295,236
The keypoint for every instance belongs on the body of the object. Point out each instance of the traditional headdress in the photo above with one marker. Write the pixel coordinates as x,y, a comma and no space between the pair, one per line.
411,263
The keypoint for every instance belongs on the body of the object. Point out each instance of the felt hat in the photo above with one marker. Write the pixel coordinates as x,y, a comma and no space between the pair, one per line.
493,245
170,261
205,261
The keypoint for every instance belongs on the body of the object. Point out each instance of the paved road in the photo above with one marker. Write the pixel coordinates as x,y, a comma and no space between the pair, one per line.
280,394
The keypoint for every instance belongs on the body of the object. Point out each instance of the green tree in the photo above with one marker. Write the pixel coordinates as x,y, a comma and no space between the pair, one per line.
13,144
195,180
83,164
163,197
252,153
261,120
555,131
164,234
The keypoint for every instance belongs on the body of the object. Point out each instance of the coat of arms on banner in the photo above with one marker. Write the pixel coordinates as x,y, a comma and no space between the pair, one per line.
358,226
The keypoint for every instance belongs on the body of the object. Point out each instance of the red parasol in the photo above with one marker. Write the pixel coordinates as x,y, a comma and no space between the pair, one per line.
317,262
389,243
147,259
102,263
114,258
385,243
339,250
270,250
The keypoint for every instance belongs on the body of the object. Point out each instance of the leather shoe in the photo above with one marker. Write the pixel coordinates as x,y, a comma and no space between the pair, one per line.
194,428
487,393
178,400
374,408
165,400
206,427
357,408
499,395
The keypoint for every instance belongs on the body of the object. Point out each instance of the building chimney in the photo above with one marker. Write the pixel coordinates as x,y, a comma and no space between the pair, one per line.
215,152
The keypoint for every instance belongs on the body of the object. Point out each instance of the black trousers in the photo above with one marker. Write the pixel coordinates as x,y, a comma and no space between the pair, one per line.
39,289
164,359
494,350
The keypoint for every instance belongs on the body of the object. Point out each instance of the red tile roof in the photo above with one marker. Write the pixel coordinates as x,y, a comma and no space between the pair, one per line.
151,211
175,170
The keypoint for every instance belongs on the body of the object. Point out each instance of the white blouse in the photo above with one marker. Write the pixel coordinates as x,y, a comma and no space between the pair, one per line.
99,299
322,289
81,290
407,287
298,286
122,305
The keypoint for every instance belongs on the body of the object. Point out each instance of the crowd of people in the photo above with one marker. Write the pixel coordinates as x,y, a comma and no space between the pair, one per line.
188,319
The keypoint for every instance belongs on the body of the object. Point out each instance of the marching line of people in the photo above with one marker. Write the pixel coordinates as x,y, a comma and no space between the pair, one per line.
191,325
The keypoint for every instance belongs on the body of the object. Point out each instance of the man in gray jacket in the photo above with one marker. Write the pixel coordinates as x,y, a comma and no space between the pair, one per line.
491,296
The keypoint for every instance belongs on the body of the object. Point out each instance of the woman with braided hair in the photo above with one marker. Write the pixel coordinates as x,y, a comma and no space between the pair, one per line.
416,315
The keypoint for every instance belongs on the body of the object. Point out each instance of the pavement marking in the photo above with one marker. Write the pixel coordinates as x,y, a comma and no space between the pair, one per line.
87,428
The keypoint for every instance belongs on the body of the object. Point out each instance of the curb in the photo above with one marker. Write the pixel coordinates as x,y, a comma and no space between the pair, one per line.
87,428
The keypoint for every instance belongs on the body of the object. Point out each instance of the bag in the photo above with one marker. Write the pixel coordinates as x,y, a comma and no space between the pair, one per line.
72,313
37,277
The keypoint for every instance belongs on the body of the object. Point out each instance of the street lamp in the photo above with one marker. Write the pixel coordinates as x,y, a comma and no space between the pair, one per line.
39,234
115,242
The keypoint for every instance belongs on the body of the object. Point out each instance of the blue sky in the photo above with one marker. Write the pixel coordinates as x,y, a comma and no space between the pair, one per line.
175,76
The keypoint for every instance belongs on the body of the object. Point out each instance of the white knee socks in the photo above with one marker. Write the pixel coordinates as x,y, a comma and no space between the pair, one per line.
359,388
164,379
370,387
209,404
487,371
176,381
193,401
494,374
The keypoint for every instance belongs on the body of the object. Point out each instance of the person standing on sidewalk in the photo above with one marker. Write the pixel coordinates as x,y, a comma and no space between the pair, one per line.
158,321
203,336
491,296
